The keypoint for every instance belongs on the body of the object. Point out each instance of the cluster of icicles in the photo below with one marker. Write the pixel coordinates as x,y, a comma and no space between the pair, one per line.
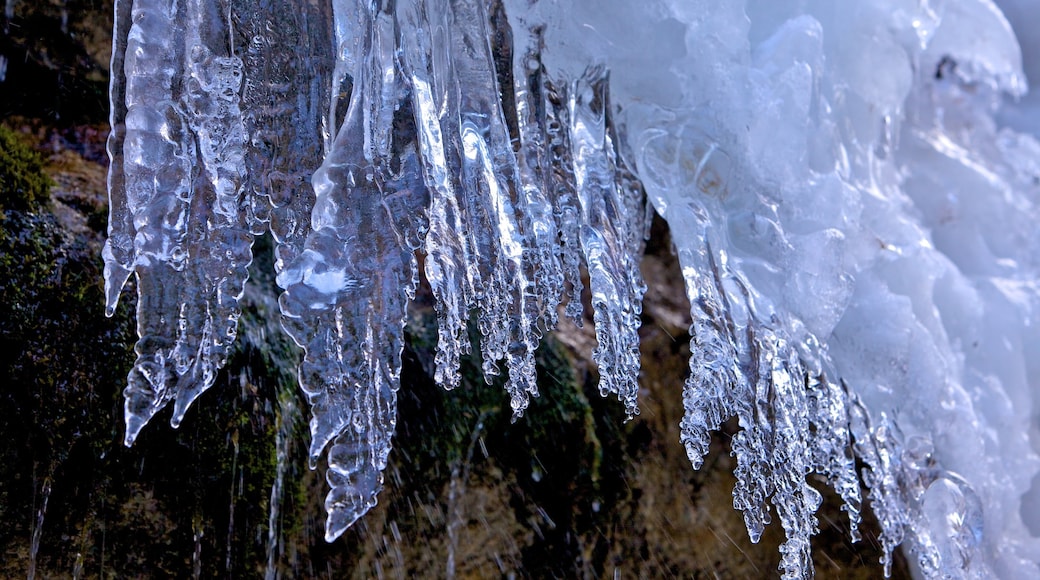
506,181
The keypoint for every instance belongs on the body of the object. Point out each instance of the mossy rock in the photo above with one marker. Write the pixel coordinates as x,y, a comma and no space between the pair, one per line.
23,185
112,511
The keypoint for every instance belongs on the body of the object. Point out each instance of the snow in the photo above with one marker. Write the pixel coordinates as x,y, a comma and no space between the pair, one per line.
851,189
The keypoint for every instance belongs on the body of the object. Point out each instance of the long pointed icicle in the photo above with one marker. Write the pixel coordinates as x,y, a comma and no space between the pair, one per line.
153,157
346,295
223,240
118,252
536,177
563,194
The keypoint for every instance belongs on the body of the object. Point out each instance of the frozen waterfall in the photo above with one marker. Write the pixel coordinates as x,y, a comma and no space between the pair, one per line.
853,191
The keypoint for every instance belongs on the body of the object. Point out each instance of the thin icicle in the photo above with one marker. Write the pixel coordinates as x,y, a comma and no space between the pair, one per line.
614,278
119,247
158,153
451,266
832,450
563,194
536,178
223,241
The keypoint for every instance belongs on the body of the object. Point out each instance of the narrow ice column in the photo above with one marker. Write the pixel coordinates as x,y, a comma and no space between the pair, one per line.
348,52
544,249
219,247
563,194
614,277
451,265
118,252
149,179
155,178
782,418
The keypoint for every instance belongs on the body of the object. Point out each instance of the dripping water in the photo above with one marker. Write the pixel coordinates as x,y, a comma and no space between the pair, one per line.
65,17
287,416
459,476
77,567
231,503
196,555
45,495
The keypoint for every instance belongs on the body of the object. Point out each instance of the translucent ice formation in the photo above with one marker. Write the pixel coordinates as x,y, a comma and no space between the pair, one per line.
178,216
856,231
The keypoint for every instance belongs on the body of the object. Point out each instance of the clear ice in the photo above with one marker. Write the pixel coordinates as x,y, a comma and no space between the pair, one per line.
852,190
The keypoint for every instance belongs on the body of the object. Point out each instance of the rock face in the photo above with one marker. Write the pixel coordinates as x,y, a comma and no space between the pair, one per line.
55,59
570,490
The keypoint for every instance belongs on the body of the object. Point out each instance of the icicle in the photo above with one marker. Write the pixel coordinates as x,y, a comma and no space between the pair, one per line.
792,423
877,450
783,414
508,308
831,445
287,54
451,265
563,194
347,19
617,286
183,167
119,247
346,295
536,177
220,247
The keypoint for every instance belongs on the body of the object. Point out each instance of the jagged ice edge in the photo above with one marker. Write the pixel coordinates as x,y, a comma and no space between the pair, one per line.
182,94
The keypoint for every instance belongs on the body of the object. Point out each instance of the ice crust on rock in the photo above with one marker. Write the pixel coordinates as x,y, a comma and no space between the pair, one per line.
851,193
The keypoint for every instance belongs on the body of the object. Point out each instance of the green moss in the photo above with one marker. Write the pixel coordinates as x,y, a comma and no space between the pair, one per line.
443,422
558,433
562,458
131,512
23,185
62,363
